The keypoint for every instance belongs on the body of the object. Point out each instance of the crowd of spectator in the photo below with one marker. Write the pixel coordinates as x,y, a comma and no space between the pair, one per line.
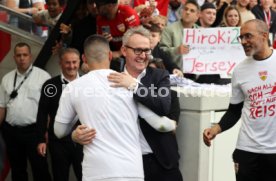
165,20
114,19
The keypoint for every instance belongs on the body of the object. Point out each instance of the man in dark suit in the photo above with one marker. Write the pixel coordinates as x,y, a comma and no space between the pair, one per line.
63,151
151,87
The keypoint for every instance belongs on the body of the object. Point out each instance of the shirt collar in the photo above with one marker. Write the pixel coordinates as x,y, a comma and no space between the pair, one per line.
25,73
64,80
140,76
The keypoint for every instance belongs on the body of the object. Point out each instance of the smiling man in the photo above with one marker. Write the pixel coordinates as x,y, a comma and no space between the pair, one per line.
151,87
207,15
253,100
63,152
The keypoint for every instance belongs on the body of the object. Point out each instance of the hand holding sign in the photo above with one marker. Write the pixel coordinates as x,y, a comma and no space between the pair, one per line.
183,49
212,51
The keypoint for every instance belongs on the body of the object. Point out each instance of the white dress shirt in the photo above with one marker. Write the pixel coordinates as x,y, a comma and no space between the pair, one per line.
115,151
22,110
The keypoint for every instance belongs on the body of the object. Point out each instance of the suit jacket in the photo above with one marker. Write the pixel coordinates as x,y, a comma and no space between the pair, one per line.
157,52
48,105
163,145
259,13
2,152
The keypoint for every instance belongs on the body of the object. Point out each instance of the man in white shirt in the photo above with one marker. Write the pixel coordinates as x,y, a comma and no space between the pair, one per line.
115,153
149,87
254,101
19,96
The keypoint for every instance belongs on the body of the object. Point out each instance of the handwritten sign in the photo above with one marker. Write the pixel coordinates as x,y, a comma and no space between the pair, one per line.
212,50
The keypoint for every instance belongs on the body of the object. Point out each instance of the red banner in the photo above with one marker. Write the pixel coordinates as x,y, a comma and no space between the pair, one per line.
5,44
5,38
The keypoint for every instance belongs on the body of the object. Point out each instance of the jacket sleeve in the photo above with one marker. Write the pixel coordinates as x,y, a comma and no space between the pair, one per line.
175,107
167,42
42,115
154,92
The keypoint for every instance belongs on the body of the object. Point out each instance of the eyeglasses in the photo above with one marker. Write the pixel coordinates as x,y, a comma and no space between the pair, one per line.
246,37
139,51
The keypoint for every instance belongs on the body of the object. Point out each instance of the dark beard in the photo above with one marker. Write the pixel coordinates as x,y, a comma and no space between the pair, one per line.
175,5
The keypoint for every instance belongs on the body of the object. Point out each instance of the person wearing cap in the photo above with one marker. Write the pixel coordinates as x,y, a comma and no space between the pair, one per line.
207,15
113,21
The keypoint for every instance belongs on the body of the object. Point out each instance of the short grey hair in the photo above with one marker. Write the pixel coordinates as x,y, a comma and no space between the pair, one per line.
261,26
135,30
64,51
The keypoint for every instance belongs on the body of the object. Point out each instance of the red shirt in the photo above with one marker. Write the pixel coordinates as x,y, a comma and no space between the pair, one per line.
162,5
126,17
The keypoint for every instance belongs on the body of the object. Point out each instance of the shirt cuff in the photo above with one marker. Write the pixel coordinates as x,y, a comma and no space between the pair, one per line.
134,87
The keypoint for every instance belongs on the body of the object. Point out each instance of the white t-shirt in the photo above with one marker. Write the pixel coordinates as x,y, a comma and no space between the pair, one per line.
254,82
22,110
115,152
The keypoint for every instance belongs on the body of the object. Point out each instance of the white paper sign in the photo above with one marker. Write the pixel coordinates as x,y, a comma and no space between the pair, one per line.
212,50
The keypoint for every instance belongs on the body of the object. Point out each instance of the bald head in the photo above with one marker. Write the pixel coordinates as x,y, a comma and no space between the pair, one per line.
259,25
254,37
